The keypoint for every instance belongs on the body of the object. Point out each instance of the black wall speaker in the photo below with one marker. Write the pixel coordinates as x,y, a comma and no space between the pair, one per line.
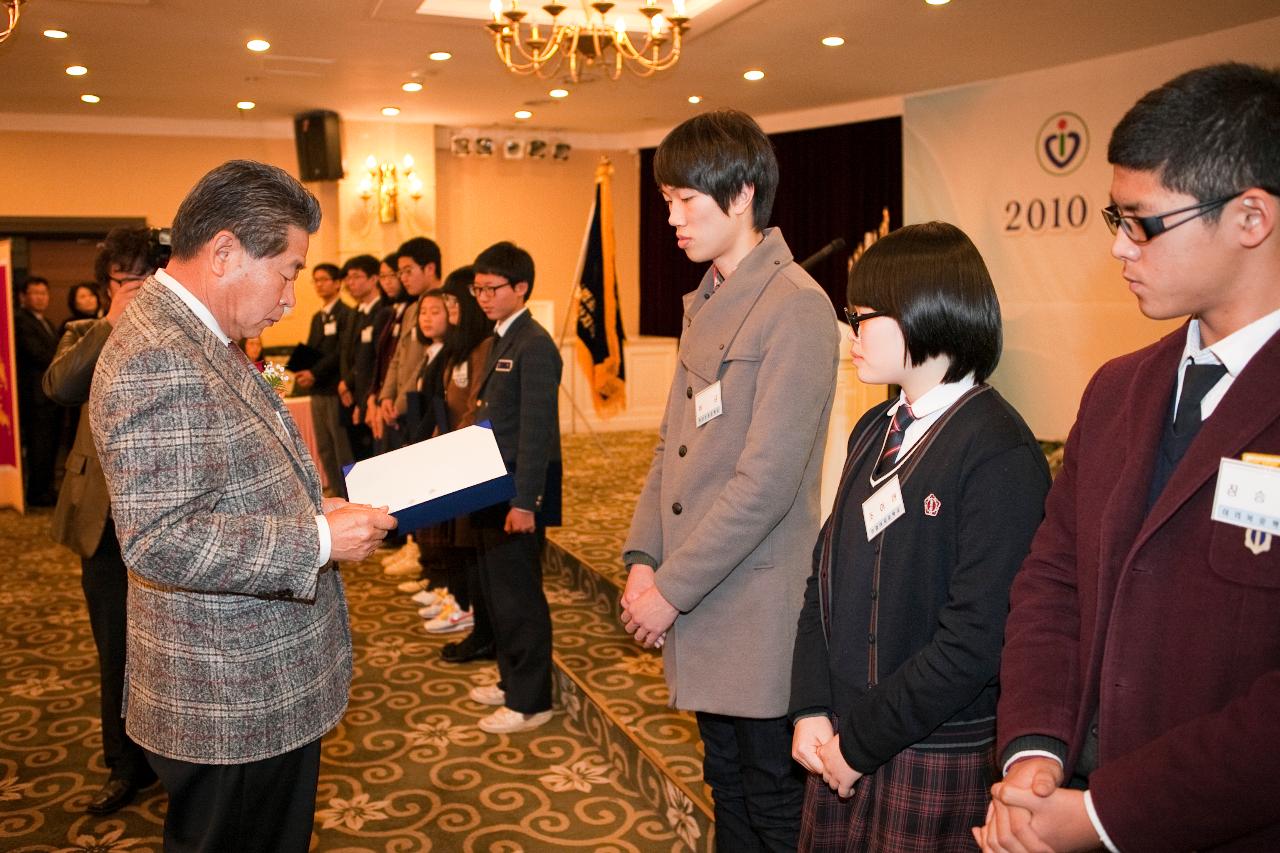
319,140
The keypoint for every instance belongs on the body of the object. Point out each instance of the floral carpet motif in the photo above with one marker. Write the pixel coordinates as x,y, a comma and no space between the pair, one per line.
406,770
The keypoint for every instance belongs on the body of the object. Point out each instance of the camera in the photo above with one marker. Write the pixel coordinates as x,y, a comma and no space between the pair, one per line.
159,248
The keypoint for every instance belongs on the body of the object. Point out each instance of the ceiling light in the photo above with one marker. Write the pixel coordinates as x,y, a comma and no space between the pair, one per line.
937,2
753,74
55,34
559,93
523,114
390,111
833,41
245,105
525,47
439,55
258,45
90,99
695,99
77,70
411,86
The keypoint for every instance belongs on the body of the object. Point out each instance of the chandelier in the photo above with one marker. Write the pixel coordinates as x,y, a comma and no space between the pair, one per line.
594,43
9,20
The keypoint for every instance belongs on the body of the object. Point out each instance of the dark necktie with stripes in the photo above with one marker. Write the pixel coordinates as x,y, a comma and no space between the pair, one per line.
897,432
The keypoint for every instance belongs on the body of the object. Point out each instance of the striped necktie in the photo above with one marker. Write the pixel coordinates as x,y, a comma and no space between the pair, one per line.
897,432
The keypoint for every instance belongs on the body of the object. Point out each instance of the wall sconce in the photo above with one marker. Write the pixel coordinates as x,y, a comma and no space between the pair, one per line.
386,184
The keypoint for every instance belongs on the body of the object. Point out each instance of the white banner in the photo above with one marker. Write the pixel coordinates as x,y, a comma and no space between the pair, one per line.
1020,164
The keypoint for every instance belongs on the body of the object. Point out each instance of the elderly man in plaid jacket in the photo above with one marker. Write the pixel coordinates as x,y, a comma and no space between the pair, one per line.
239,649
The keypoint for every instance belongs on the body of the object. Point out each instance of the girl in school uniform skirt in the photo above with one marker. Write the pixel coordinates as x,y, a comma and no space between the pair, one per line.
894,677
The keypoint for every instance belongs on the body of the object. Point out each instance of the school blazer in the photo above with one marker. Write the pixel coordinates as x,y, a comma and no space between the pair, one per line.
519,394
1162,621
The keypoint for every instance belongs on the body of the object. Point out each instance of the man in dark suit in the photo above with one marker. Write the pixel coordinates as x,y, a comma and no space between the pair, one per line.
329,326
357,362
38,416
239,648
519,394
82,518
1140,705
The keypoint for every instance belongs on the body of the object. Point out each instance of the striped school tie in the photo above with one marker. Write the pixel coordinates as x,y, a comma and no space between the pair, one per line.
897,432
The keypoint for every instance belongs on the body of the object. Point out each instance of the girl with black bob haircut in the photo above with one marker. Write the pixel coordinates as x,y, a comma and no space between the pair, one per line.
894,678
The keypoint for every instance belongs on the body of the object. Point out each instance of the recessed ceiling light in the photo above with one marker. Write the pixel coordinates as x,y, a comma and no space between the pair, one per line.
695,99
411,86
258,45
753,74
833,41
245,105
390,111
440,55
90,99
55,34
559,93
937,2
523,114
77,70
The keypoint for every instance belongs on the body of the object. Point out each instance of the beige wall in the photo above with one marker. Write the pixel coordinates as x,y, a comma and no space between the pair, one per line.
543,206
467,204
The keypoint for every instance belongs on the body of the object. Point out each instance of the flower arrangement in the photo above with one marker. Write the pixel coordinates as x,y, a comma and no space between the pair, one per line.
276,377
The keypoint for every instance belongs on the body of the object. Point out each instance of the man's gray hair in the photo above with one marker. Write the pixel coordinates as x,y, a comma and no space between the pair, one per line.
254,201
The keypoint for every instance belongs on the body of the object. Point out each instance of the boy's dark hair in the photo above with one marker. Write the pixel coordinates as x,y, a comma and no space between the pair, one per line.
718,153
933,281
331,269
33,279
127,248
473,326
254,201
1209,133
423,251
509,261
367,264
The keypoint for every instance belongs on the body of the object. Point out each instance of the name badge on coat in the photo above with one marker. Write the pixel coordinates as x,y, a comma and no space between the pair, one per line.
504,365
366,335
708,404
331,328
883,508
1248,495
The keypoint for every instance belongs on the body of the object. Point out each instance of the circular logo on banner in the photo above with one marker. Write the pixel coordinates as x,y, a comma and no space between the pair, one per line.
1062,143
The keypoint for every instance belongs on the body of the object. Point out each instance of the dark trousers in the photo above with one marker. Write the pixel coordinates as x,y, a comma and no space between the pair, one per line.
331,440
511,583
265,806
106,589
41,434
757,787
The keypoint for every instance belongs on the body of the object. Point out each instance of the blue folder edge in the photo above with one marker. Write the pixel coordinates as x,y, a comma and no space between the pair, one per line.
458,503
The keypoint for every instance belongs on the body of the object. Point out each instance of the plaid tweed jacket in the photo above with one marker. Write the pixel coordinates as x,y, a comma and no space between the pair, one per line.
239,648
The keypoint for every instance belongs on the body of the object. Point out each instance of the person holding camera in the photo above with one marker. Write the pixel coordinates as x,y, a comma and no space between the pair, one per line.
82,517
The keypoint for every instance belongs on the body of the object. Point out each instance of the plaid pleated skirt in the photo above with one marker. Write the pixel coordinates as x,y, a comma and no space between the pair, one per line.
921,801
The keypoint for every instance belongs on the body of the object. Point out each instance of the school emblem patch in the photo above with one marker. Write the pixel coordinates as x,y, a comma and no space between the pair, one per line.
932,505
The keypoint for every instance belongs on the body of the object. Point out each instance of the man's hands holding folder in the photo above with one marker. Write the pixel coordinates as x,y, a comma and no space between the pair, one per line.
355,529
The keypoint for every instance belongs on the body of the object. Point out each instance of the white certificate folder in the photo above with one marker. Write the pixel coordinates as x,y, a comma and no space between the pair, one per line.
434,480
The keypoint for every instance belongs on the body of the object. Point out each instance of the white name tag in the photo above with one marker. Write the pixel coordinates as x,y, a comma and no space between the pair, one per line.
883,508
707,404
331,328
366,335
1248,495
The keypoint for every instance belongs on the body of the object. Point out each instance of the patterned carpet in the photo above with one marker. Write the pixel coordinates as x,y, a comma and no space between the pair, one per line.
407,770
